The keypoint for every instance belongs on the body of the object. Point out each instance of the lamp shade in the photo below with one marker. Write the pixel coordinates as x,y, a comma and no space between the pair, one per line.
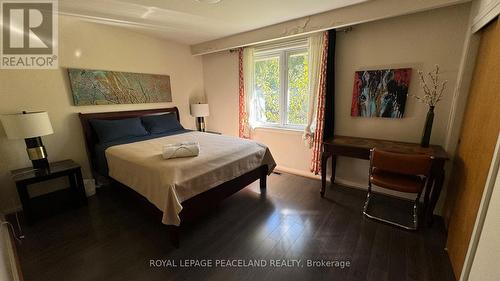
28,125
199,110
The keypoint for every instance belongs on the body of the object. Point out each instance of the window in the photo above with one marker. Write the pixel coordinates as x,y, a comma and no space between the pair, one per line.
281,86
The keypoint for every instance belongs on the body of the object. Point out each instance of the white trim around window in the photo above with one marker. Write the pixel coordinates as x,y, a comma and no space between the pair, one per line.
282,52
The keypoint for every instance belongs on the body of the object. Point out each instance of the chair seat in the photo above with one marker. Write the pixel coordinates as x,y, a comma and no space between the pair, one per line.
397,182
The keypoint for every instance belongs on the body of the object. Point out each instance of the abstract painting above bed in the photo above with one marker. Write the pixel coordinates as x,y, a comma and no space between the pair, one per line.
95,87
380,93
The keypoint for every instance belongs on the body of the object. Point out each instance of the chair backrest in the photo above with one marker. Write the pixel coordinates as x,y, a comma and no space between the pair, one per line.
401,163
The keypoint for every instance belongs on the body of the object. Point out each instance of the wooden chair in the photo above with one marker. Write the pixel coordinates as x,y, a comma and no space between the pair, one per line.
400,172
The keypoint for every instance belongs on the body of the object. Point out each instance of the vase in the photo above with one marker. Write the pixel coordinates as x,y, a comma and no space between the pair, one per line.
426,135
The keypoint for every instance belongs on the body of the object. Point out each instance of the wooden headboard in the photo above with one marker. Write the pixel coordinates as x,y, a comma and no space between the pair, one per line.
91,138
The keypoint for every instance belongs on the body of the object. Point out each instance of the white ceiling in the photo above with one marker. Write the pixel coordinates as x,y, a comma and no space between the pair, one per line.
192,22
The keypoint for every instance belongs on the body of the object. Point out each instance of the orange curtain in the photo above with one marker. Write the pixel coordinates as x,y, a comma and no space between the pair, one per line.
320,111
243,115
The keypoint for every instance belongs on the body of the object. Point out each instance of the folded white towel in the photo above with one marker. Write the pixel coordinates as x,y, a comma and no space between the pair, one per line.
181,149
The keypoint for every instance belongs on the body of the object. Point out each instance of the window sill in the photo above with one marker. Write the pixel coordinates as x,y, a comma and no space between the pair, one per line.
282,129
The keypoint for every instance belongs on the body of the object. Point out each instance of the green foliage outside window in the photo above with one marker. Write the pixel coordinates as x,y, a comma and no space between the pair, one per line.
298,89
267,85
267,88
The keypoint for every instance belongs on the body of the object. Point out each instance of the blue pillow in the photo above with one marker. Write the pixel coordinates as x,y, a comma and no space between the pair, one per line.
157,124
111,130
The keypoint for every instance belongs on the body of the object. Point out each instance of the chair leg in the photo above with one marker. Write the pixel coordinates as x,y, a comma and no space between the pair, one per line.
367,201
415,211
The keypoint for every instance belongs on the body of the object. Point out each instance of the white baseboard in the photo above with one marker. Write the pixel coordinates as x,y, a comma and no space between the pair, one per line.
297,172
352,184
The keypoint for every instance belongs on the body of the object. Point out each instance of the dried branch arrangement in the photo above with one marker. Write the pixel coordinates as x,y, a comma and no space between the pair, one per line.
432,91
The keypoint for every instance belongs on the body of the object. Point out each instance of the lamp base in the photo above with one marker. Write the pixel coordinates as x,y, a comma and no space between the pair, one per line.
201,124
40,164
37,153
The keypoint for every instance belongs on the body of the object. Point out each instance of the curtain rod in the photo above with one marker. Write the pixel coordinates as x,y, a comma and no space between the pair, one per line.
343,29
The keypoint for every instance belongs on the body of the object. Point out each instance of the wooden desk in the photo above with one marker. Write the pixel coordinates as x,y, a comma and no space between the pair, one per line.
360,148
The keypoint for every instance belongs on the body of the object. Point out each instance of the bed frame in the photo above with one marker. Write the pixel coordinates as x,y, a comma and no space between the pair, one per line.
193,207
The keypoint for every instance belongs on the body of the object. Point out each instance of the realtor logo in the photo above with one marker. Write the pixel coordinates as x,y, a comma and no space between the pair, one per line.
29,35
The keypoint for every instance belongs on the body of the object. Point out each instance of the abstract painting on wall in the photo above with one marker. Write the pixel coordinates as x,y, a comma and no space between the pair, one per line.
95,87
380,93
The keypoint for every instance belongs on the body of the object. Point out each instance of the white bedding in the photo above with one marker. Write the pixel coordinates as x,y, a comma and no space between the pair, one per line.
167,183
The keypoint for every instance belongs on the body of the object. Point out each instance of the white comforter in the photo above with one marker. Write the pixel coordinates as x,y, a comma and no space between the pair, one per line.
167,183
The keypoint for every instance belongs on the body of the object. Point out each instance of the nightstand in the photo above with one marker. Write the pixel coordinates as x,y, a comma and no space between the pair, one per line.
53,201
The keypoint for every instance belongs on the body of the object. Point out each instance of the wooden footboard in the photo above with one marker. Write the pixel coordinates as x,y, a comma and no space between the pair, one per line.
203,202
199,204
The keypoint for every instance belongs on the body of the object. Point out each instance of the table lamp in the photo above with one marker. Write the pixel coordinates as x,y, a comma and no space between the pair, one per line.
200,110
30,126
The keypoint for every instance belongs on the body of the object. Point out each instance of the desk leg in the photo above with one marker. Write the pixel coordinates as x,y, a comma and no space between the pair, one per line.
324,160
436,191
75,194
334,168
24,196
81,186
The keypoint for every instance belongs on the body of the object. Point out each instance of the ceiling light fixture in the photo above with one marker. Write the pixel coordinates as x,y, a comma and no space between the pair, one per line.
209,1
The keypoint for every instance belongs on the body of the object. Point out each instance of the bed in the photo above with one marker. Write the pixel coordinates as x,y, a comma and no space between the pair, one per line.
182,188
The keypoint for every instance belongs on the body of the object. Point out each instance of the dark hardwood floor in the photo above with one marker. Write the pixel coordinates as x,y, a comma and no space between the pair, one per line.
114,238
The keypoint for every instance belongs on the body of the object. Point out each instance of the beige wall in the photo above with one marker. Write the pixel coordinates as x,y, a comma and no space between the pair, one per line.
418,41
220,73
101,47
